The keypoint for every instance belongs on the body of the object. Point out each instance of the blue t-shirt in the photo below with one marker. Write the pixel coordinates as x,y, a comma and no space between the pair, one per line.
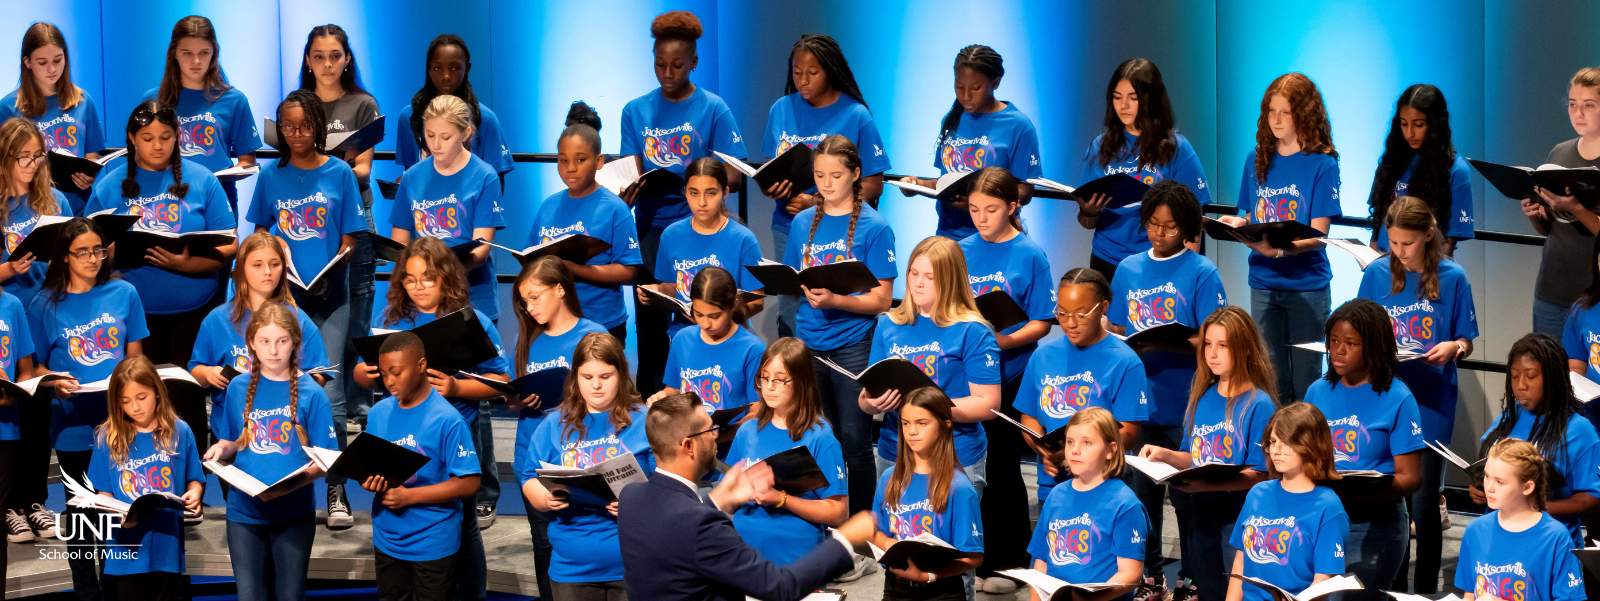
21,219
1461,222
792,120
1299,187
1578,461
669,135
683,252
1581,338
76,131
873,244
212,132
960,524
494,365
584,539
780,536
86,335
221,343
1369,429
430,531
954,357
488,142
548,351
203,208
1184,288
450,207
1419,325
1081,534
274,449
148,468
1019,268
722,374
1220,435
1119,233
16,342
1062,379
1536,564
309,209
1005,138
599,215
1287,538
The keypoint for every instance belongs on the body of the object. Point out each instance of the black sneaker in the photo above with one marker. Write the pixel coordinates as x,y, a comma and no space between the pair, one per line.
1185,591
42,521
339,517
486,516
1151,588
17,528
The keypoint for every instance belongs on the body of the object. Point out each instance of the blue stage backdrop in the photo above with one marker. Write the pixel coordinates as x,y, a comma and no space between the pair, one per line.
530,60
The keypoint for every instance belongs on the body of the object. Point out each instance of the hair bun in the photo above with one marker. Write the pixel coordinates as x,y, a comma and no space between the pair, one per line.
582,114
676,25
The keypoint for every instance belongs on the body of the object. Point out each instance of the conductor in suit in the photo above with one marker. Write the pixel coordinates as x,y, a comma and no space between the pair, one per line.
677,547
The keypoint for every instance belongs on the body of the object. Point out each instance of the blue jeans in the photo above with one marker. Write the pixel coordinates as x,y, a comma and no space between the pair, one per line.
1287,318
362,266
1375,547
1549,318
488,469
282,550
851,425
787,305
329,308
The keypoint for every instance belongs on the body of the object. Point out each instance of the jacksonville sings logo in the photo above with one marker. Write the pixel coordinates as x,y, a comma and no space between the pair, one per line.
669,147
145,475
709,383
585,453
95,342
1072,541
60,133
270,431
1277,204
198,134
1348,437
1151,307
1213,443
1062,396
437,218
304,218
1271,540
962,155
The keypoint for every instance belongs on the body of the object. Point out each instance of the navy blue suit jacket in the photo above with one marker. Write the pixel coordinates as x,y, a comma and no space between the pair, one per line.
677,547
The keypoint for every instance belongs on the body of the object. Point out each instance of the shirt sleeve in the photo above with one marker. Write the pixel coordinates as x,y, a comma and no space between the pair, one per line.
631,139
830,457
258,212
1040,299
1328,556
1325,192
674,365
1252,500
102,475
400,210
1207,287
1373,286
663,270
624,238
1247,189
791,249
966,523
749,254
1566,576
219,216
1132,402
497,364
319,422
879,249
1465,579
1039,543
880,339
1584,472
460,456
245,137
22,344
492,143
1117,307
1461,218
486,210
1129,529
1407,434
874,159
137,330
1255,423
349,208
769,139
981,355
232,421
405,142
1465,321
313,352
1027,400
1186,168
94,136
752,370
725,135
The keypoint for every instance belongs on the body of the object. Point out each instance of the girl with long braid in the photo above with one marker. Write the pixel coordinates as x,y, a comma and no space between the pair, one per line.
270,416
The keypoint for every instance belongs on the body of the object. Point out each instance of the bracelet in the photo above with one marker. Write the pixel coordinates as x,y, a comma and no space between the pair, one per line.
932,577
1280,253
782,500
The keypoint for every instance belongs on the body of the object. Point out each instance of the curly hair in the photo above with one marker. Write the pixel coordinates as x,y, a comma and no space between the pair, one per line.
1310,121
443,264
679,25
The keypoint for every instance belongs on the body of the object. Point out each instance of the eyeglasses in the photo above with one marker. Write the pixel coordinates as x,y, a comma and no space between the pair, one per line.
1162,230
765,382
98,253
419,284
713,428
29,160
1066,315
295,129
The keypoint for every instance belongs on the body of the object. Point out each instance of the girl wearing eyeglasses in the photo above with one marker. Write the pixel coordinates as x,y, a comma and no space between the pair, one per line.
781,525
429,283
719,357
25,177
84,323
1086,368
601,417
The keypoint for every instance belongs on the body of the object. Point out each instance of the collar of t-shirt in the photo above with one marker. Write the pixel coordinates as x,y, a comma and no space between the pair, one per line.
1153,257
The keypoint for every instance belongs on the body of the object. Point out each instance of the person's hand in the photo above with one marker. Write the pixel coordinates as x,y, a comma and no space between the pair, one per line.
631,193
83,181
909,180
1561,203
64,388
820,298
1155,453
1443,353
858,529
375,484
888,401
550,500
1093,206
445,385
191,500
1051,461
21,265
165,259
398,497
211,375
1233,220
612,508
527,402
1534,210
217,451
781,191
800,202
641,297
1477,494
660,394
371,373
912,573
1266,250
740,484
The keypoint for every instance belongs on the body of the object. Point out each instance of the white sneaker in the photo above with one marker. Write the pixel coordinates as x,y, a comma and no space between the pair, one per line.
339,517
863,566
17,528
1444,514
42,521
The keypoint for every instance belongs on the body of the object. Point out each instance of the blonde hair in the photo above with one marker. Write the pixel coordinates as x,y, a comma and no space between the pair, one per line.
1588,77
1109,429
118,431
14,134
1526,463
283,316
454,111
949,278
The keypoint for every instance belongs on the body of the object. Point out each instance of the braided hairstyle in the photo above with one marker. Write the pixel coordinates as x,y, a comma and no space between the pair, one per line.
316,118
831,57
982,60
146,114
283,316
1376,330
843,149
1554,413
425,94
